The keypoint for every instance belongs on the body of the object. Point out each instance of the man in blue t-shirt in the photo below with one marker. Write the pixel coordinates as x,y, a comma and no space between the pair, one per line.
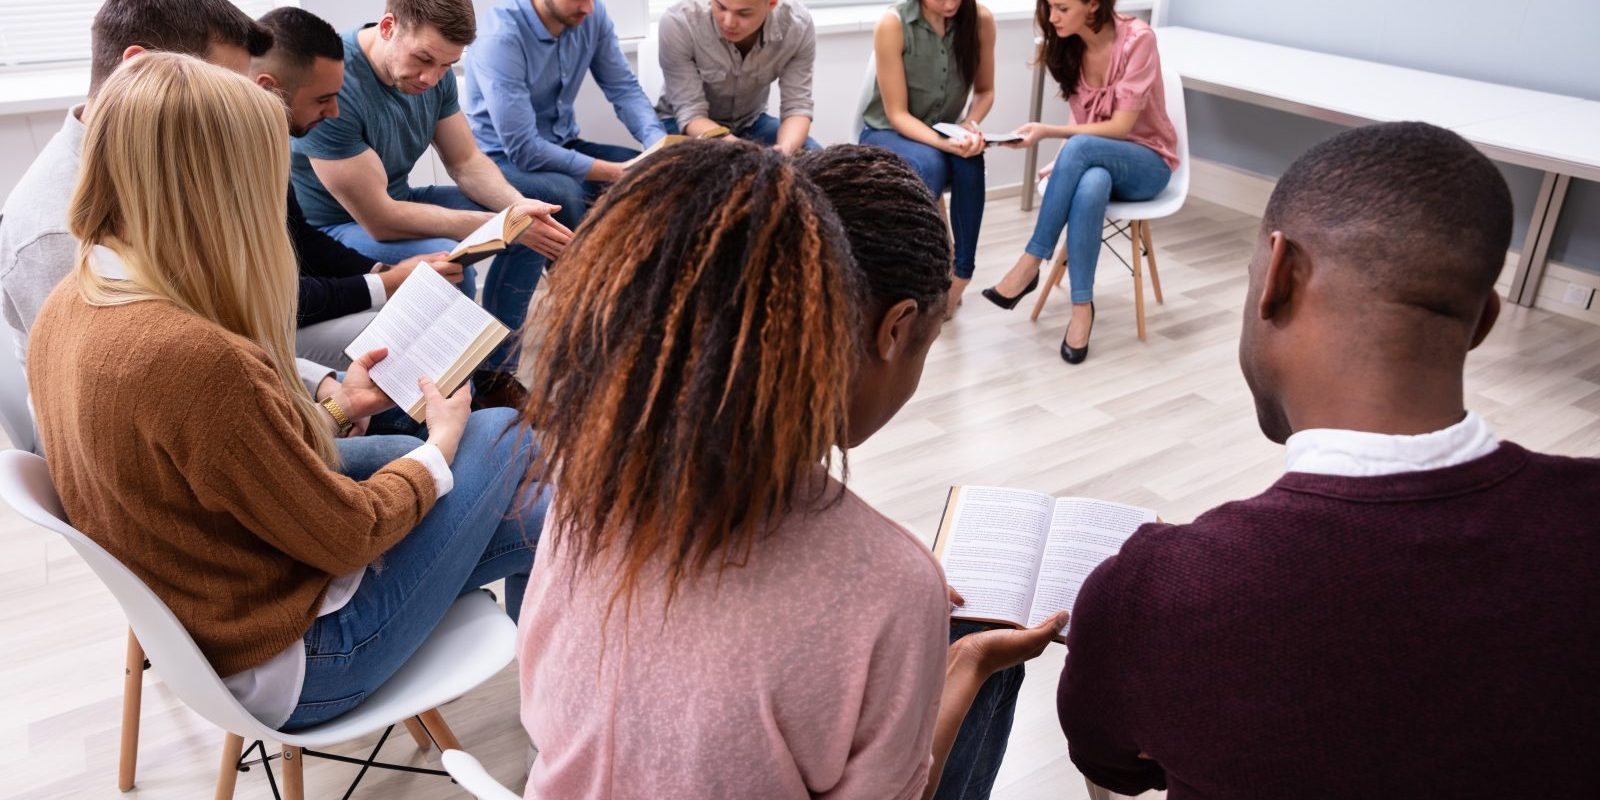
521,81
351,173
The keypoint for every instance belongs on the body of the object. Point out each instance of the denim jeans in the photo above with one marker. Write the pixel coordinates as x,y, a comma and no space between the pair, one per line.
763,131
574,195
1089,172
482,531
980,745
962,177
511,281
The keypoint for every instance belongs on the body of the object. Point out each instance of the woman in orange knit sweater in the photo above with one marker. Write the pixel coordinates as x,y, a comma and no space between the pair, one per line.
308,568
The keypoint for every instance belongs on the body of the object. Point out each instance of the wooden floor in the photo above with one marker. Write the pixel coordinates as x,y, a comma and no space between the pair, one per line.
1166,423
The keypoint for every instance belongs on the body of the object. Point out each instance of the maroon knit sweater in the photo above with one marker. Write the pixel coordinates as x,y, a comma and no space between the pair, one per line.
1431,634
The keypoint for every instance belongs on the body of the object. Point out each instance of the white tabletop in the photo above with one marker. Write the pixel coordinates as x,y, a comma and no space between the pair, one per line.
1538,128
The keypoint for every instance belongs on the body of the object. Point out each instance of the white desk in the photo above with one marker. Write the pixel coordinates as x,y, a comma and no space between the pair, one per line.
1550,132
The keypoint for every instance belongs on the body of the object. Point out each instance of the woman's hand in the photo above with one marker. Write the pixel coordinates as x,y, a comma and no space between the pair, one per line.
963,148
1032,133
358,395
988,652
446,416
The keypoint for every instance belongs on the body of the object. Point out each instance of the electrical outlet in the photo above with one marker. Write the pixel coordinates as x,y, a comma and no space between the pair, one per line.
1578,295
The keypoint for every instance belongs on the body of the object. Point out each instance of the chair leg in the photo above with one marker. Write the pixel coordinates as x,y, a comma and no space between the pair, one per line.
132,697
1138,279
1150,254
419,734
228,771
434,722
294,774
1058,268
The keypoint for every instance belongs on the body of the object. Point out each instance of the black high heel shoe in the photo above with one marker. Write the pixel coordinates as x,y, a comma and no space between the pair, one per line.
1009,303
1076,355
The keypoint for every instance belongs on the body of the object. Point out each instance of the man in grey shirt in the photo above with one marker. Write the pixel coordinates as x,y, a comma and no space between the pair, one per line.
719,59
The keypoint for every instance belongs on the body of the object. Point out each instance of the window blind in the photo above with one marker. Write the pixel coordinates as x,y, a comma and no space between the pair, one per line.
42,32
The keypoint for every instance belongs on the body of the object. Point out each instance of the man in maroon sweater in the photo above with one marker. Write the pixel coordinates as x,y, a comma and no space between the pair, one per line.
1413,610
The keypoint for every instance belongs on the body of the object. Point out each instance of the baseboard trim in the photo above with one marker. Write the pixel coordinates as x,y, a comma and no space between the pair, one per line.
1248,192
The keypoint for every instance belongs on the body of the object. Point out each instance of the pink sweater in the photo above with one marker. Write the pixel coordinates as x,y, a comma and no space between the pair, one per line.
814,670
1133,83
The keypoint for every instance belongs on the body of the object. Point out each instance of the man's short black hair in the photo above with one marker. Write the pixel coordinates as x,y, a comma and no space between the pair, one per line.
299,36
1412,210
189,27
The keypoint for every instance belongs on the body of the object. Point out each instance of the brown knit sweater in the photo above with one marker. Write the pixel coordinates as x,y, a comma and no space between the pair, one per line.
175,446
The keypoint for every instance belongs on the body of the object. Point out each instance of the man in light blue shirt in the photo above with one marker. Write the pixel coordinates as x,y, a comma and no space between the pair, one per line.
521,80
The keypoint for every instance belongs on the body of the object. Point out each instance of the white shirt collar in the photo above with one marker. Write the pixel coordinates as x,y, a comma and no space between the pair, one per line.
1356,454
107,264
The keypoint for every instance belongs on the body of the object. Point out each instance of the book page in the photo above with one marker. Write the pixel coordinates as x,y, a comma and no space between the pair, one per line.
991,555
960,134
492,231
427,325
1083,533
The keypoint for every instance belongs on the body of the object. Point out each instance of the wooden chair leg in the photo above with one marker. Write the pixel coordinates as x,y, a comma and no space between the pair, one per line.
1138,278
228,771
294,774
1058,267
132,697
419,734
1150,254
434,722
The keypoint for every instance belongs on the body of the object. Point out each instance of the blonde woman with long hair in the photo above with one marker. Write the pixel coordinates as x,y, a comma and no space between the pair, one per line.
307,567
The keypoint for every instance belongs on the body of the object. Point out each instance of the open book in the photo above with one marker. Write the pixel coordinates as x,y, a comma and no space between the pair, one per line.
954,131
431,329
672,139
1018,556
490,238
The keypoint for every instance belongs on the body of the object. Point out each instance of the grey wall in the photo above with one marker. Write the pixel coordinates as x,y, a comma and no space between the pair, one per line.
1548,45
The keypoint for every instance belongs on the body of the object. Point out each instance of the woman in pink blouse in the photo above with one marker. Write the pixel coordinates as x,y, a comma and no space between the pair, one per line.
1120,145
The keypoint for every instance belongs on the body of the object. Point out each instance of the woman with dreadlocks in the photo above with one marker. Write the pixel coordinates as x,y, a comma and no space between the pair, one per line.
714,615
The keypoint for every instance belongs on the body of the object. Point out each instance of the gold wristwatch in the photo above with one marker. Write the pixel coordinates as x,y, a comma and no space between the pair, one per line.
339,417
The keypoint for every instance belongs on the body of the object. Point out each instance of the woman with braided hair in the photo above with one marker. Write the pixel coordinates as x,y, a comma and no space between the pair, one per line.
714,615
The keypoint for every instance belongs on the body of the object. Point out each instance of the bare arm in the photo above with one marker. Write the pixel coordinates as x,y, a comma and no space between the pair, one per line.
477,176
359,184
983,82
792,133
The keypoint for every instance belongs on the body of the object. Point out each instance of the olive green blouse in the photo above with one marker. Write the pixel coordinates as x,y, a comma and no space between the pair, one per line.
935,90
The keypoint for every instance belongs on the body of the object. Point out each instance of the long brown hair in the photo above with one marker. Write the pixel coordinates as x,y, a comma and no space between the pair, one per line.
692,362
1064,57
966,22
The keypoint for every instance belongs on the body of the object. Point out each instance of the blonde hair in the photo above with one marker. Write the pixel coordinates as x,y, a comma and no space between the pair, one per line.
185,171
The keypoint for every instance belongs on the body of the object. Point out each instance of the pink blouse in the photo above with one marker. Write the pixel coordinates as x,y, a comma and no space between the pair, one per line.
1133,83
813,670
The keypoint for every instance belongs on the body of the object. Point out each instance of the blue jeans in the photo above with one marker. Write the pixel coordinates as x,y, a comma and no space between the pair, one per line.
763,131
980,745
1089,172
512,278
574,195
962,177
480,532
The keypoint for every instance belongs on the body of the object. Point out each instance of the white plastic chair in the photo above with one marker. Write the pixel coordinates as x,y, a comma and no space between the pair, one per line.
1138,214
651,80
864,99
474,778
473,642
14,414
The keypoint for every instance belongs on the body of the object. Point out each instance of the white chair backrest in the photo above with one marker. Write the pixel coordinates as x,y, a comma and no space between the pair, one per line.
1172,85
25,486
14,414
651,80
473,777
868,83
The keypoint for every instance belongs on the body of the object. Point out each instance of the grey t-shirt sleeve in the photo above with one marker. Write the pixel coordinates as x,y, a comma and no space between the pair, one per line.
449,96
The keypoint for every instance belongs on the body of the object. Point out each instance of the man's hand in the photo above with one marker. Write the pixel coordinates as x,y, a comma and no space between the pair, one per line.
988,652
606,171
396,275
545,236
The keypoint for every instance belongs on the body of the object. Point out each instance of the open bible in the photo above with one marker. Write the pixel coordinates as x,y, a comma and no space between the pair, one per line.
492,237
672,139
431,329
960,134
1018,556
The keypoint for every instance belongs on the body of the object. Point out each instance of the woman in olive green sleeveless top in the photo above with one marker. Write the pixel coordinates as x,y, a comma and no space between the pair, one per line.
931,54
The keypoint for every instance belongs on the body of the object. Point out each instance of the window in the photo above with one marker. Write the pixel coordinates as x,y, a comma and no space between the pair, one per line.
659,7
38,32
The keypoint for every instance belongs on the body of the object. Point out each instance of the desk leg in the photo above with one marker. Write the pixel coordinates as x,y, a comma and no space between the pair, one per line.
1536,245
1030,162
